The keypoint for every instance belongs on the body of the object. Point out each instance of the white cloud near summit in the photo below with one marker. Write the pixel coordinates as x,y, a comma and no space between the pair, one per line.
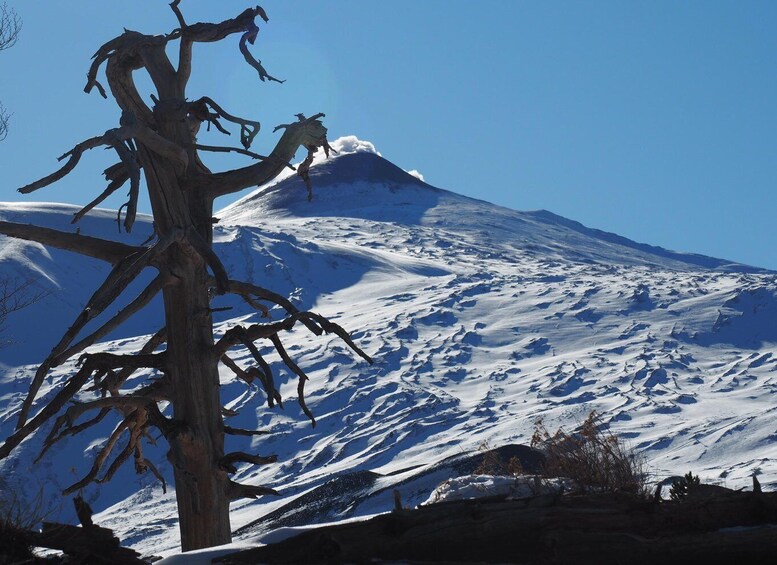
416,174
352,144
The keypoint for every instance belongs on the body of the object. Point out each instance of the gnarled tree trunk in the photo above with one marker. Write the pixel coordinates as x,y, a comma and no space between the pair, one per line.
161,143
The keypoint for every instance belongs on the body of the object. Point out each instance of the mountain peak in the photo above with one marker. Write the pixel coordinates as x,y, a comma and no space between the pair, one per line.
353,183
358,167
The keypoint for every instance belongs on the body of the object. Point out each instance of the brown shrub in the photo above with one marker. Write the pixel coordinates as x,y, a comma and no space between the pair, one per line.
493,464
594,458
15,519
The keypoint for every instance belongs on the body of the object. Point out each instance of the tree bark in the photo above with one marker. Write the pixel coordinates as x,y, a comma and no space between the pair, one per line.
201,485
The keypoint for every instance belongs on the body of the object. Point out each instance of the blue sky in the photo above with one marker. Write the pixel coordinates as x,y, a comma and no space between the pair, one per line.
654,120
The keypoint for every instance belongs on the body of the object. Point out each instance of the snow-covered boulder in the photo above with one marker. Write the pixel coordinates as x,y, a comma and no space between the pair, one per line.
512,488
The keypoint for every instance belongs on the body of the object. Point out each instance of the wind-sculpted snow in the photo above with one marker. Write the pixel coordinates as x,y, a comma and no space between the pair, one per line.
481,320
69,278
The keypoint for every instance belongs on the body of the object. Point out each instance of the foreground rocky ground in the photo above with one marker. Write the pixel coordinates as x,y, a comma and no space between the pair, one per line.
711,527
533,520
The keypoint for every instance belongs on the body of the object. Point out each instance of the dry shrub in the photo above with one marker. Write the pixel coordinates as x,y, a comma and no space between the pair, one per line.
514,466
493,464
593,457
18,517
14,520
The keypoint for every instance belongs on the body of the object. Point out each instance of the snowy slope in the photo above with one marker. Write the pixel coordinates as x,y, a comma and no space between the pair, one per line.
481,320
68,278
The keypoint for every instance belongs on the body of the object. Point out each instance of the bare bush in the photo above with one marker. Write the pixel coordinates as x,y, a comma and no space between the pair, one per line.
17,517
10,26
17,293
5,119
593,457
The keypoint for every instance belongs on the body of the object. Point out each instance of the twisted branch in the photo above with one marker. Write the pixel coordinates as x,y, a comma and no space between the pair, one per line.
132,445
235,368
127,44
241,432
239,490
101,456
103,249
247,336
250,37
297,371
330,327
227,463
264,375
248,128
209,33
112,187
118,279
74,156
303,171
217,149
142,464
307,132
122,316
177,12
53,437
89,364
117,138
114,381
133,401
249,292
136,422
258,331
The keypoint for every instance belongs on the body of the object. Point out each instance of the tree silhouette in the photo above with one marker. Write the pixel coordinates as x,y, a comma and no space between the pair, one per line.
10,26
159,142
17,293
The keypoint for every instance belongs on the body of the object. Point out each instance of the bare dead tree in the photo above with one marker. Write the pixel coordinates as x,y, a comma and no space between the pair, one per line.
5,120
10,26
17,293
160,142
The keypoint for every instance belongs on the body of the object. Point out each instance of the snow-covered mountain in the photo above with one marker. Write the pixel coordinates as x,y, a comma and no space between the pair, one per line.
481,321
